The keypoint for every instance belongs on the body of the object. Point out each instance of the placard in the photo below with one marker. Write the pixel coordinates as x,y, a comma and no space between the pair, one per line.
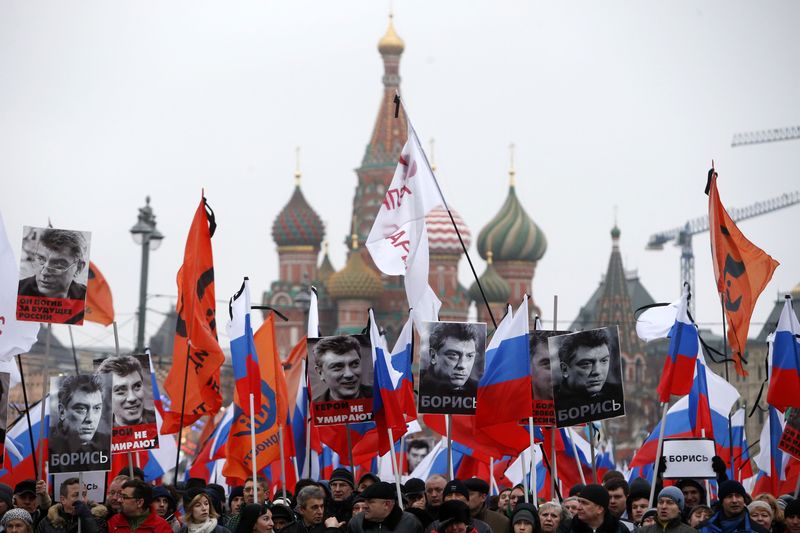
340,379
689,458
587,376
94,484
790,438
54,271
134,416
544,413
452,358
80,423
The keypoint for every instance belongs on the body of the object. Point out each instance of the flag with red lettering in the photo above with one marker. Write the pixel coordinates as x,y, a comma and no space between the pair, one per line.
741,269
398,240
197,356
99,303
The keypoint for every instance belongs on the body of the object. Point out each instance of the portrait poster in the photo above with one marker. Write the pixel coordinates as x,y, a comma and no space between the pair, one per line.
790,438
340,379
587,376
94,484
451,362
5,379
132,409
80,423
544,413
53,273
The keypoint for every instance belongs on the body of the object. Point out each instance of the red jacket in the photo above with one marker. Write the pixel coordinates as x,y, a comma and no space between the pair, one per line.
152,524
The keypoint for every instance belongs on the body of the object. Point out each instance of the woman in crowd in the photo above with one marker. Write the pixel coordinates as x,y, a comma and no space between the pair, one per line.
778,525
17,521
502,500
761,513
200,514
256,518
551,517
699,514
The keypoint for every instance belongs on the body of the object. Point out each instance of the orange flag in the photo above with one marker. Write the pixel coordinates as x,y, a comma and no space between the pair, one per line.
99,304
269,415
202,357
742,270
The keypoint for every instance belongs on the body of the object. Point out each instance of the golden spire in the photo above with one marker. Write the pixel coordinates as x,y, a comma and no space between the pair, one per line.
391,43
354,241
297,172
433,158
489,255
511,171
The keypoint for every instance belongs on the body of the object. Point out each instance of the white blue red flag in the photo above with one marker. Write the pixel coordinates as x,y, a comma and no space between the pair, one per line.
679,366
402,359
784,381
771,460
243,350
387,397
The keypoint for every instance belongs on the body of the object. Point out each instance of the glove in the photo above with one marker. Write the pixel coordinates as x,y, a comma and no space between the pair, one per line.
720,468
662,466
83,510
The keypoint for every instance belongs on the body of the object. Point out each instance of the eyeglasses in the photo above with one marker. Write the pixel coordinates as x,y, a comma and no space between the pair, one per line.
126,497
43,263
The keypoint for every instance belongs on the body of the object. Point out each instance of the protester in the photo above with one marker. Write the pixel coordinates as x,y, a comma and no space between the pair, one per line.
649,517
249,493
382,513
699,515
366,480
733,515
516,496
32,496
669,507
342,487
114,495
200,517
761,513
525,519
282,516
434,494
135,515
503,500
694,493
359,504
478,492
550,517
256,518
17,520
414,492
134,472
454,518
777,511
310,510
165,505
618,491
64,516
235,504
571,504
638,500
791,516
593,514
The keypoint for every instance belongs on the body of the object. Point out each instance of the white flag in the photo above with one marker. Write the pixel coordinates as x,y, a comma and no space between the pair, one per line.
15,337
398,241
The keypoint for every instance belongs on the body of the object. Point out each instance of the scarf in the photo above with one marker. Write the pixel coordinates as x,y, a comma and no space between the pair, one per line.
206,527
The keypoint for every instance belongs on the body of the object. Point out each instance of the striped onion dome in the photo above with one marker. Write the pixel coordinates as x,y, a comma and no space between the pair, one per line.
512,235
356,281
496,289
298,224
442,237
325,270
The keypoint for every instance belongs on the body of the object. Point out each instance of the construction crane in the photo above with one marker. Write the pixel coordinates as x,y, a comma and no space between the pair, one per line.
765,136
682,235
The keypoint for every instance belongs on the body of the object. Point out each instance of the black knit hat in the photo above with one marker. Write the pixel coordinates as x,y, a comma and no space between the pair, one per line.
343,474
596,494
792,508
414,486
456,486
453,512
236,492
730,486
381,491
475,484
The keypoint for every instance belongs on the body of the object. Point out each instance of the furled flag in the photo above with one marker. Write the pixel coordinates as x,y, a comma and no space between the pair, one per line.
19,462
700,417
742,465
770,459
387,398
784,381
16,337
193,381
99,303
402,359
679,366
271,412
741,268
243,351
506,380
398,240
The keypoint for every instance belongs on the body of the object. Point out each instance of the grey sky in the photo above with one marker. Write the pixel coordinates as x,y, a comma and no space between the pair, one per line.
612,103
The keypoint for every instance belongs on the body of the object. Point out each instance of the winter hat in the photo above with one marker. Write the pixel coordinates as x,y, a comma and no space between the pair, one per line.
523,514
596,494
16,514
674,494
784,500
650,512
6,492
369,476
456,486
282,511
190,495
475,484
453,512
414,487
380,491
161,491
762,506
730,486
236,492
792,508
26,486
343,474
576,489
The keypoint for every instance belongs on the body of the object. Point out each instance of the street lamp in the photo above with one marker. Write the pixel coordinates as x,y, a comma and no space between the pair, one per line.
146,234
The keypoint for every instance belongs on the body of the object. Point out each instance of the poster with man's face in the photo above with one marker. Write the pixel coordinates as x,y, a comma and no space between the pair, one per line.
452,355
340,378
587,376
54,271
416,451
544,413
134,416
80,423
5,379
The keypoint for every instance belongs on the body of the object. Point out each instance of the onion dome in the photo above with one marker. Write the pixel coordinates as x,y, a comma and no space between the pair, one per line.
298,224
356,281
615,232
496,289
442,237
391,43
325,270
512,235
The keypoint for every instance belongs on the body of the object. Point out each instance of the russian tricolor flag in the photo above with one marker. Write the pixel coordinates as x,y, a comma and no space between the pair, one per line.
506,379
699,407
679,366
388,395
784,382
243,351
402,358
771,460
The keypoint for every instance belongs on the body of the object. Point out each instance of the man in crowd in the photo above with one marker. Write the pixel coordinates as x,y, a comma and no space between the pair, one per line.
791,516
453,350
414,492
32,496
249,492
137,496
310,512
337,360
114,495
382,514
456,490
80,407
165,505
638,500
516,496
693,493
618,491
669,507
341,485
64,516
59,259
733,515
416,451
127,391
593,515
478,492
434,494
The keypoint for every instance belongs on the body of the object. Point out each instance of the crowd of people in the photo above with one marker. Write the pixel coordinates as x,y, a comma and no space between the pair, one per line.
435,505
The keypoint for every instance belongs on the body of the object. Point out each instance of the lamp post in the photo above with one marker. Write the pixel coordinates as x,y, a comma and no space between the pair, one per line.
146,234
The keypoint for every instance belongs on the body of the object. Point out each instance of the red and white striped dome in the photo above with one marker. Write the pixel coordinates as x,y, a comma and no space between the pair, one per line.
442,237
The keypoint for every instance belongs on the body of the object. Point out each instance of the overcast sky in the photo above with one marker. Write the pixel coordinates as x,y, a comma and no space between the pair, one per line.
609,104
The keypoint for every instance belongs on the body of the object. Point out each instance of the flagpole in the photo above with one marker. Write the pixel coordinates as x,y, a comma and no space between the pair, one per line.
664,408
27,412
45,371
308,445
283,459
253,461
708,485
525,480
349,448
492,481
395,468
183,402
534,483
575,453
296,470
591,448
449,424
553,477
74,353
727,378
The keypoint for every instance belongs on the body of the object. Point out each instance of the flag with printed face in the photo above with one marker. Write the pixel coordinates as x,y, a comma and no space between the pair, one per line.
243,351
15,336
196,356
679,366
99,303
784,381
398,240
741,269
